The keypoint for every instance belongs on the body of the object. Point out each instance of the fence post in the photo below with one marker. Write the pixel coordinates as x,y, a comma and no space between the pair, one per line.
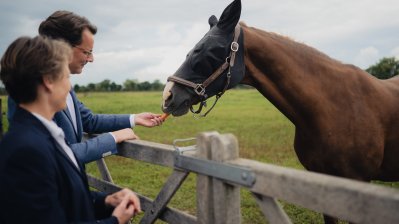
217,202
226,197
204,183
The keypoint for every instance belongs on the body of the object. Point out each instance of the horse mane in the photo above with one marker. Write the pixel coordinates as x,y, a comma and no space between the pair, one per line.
295,45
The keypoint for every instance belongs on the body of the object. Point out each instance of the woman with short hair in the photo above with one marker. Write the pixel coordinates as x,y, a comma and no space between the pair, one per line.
41,179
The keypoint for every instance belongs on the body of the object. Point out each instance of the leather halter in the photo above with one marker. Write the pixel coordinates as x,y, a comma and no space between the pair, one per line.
200,88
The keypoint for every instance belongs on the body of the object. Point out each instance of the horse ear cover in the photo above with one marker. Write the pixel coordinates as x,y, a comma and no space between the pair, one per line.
230,16
212,21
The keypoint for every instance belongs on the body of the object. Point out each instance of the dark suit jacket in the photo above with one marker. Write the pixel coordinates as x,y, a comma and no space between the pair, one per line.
94,148
38,181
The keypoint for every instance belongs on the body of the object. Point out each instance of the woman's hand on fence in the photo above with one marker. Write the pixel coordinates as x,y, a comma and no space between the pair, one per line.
147,119
126,204
124,134
126,210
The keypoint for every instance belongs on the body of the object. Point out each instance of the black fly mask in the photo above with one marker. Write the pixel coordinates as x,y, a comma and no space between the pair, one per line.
216,63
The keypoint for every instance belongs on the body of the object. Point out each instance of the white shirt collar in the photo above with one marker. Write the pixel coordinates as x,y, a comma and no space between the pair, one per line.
58,134
52,127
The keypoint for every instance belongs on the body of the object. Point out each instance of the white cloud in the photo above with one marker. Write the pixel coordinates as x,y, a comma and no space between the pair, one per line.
395,52
366,57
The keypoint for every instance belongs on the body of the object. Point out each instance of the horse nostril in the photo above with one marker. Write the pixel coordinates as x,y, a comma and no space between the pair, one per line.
169,99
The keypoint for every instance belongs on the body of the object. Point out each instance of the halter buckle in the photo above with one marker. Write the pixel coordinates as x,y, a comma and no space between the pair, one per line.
234,46
199,89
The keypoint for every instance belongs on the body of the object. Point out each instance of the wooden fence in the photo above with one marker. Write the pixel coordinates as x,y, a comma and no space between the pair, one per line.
221,174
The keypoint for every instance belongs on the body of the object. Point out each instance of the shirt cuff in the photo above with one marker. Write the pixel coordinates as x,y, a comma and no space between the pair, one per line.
112,136
132,124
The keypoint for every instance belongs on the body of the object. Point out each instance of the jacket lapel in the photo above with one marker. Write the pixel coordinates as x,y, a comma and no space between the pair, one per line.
60,150
66,112
29,120
77,113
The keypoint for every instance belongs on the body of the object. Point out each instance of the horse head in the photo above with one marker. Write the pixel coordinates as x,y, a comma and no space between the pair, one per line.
216,63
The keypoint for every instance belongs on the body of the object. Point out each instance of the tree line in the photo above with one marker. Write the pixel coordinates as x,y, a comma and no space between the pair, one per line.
386,68
128,85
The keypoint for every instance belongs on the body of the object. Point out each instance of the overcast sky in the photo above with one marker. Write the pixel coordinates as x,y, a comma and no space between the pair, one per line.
148,39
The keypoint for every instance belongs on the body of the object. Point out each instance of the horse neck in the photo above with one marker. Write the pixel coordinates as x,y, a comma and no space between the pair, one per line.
284,71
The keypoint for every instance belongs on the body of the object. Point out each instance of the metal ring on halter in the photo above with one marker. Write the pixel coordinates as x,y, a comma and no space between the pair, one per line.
227,60
234,46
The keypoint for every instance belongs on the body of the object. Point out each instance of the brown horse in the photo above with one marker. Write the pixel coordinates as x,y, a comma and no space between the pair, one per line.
346,121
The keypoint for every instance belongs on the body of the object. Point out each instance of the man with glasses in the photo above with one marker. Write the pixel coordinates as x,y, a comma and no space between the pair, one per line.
79,33
88,53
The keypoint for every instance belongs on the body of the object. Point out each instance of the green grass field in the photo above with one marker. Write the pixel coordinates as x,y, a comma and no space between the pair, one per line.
263,133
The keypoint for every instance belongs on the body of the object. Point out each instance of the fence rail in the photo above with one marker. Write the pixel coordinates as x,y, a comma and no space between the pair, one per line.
218,198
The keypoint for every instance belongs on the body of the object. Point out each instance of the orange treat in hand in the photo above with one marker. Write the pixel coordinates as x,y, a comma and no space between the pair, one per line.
164,116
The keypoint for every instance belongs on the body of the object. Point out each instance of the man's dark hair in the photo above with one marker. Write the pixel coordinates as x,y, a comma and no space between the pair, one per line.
67,26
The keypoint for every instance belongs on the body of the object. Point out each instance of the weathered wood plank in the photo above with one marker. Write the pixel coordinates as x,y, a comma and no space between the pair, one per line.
350,200
204,183
226,197
150,152
171,186
102,167
272,210
170,215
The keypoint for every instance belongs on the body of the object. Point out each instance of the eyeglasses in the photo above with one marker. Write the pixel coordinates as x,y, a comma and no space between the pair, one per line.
84,51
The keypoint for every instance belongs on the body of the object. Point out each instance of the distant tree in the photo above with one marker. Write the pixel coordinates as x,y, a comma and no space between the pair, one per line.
114,87
76,88
130,85
91,87
385,68
83,89
104,85
157,85
144,86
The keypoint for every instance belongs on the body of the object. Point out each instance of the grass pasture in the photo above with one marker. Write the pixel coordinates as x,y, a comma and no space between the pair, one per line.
263,133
